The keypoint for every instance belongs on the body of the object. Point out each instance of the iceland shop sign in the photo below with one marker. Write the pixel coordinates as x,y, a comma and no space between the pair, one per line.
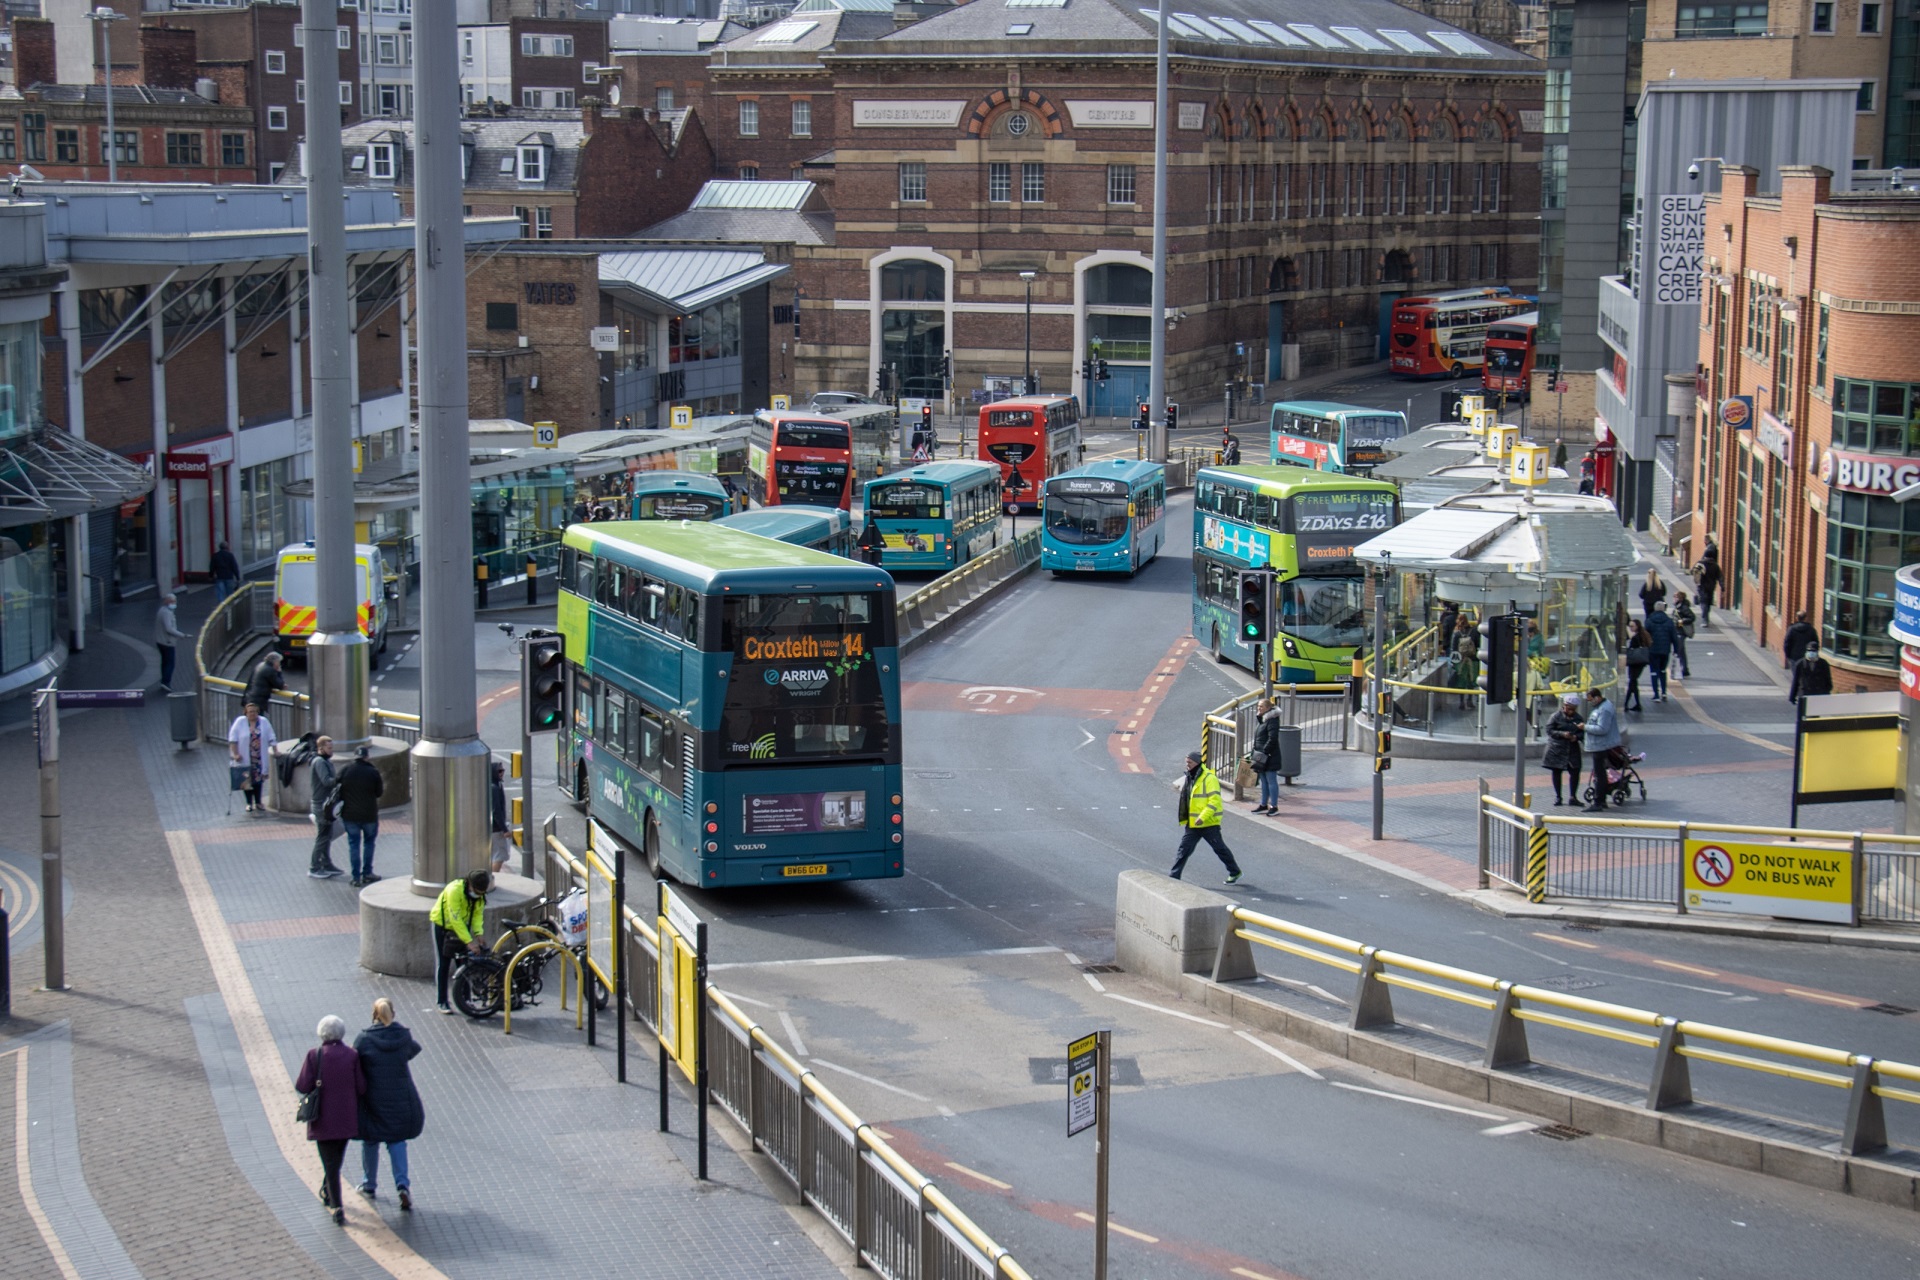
1906,610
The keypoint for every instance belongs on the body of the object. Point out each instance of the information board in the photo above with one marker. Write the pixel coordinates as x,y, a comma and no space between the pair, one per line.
1083,1090
1795,881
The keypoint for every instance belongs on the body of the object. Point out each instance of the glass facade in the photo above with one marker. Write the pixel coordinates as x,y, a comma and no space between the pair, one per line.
913,340
1881,417
20,404
1868,539
26,595
269,519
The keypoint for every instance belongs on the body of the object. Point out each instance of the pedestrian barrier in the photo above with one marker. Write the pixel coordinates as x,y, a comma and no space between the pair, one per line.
1320,711
1412,665
1673,1042
898,1222
1643,860
925,611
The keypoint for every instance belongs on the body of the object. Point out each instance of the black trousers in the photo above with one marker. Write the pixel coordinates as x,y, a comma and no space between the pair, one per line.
332,1152
1191,838
1599,778
446,945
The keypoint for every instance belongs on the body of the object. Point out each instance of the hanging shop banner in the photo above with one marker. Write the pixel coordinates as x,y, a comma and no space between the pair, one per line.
1906,606
1793,881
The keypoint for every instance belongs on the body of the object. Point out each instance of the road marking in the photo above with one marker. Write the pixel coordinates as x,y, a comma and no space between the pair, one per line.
1125,1231
1071,958
793,1034
1518,1126
979,1176
24,1170
1842,1001
878,1084
1567,942
1252,1275
1160,1008
1293,1062
1684,968
1418,1102
1094,983
815,962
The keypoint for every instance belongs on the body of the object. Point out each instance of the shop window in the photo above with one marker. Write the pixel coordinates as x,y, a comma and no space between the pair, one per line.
1868,539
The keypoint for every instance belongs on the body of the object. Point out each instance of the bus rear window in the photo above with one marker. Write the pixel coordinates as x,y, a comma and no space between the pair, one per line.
814,435
1010,418
904,502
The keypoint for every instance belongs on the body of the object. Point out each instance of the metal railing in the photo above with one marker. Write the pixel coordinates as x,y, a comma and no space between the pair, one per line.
1320,710
953,591
898,1222
1515,1007
1642,860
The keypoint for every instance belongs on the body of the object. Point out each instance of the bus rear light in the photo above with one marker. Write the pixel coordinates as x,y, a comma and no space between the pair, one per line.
896,837
712,807
712,827
896,800
896,819
712,847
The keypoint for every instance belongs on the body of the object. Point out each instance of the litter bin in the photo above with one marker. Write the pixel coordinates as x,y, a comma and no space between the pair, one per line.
1289,751
183,718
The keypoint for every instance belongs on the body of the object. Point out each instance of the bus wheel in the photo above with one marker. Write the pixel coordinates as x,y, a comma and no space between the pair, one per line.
1218,657
580,783
1458,371
652,850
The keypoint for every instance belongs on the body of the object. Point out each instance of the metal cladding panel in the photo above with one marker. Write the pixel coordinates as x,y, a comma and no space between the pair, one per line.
1440,536
1584,542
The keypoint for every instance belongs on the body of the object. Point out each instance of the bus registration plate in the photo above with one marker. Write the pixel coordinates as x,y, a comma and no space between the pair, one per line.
805,869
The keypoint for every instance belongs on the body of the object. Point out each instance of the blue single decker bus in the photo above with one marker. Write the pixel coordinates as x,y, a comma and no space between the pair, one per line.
678,495
938,515
1103,517
733,703
826,529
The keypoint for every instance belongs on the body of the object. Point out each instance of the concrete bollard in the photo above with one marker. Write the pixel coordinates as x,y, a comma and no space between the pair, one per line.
1164,928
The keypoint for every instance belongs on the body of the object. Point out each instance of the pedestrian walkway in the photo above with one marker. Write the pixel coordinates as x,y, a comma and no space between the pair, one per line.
156,1093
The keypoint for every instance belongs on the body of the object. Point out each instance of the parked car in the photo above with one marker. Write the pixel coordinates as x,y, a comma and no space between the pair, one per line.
824,400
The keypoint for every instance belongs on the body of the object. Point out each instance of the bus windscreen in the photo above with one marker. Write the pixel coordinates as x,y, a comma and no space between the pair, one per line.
904,502
803,684
819,483
815,435
1324,611
1086,519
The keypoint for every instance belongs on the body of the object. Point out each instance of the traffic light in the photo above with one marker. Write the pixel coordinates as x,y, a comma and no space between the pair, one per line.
1497,656
946,368
1146,419
1383,734
1086,371
1032,384
543,682
1253,606
1100,373
926,418
1173,418
886,379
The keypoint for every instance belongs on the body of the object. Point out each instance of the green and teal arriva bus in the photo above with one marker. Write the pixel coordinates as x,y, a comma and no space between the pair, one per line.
733,703
1303,525
826,529
938,515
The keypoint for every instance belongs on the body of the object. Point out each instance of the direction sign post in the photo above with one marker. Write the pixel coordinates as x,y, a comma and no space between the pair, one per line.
53,928
1089,1088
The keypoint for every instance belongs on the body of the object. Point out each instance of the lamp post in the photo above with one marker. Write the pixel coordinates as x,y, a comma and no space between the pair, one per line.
104,18
1026,384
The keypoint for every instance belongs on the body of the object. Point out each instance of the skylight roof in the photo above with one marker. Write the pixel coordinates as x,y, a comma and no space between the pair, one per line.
1278,32
1205,28
1036,4
1316,35
1239,28
786,32
1407,40
1365,39
1020,29
1460,44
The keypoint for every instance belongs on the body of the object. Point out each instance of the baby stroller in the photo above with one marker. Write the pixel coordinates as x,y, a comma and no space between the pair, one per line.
1622,777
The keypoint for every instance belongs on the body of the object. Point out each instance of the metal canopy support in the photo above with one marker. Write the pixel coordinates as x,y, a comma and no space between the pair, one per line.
128,327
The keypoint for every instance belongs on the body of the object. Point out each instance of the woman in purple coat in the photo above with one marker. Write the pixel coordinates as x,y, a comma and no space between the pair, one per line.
334,1069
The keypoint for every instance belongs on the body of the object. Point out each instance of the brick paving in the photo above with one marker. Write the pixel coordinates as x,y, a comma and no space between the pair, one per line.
534,1158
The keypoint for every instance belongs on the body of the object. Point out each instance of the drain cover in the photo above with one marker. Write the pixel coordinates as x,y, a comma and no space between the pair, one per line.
1561,1132
1569,982
1114,968
1893,1010
1581,928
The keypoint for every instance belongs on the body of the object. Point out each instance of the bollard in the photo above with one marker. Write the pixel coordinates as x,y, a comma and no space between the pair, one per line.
1537,862
533,581
480,582
6,968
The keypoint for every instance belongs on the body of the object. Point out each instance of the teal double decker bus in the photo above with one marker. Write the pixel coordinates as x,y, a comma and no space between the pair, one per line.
1103,517
826,529
1332,437
733,703
1303,525
938,515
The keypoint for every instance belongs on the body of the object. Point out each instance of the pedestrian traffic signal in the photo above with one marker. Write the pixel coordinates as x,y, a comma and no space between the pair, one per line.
1173,417
926,418
543,682
1253,605
1497,656
1100,373
1383,733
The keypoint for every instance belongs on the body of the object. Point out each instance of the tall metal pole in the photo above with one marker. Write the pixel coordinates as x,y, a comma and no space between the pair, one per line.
337,653
1026,379
1102,1141
449,762
1157,344
1519,707
1378,689
104,18
53,909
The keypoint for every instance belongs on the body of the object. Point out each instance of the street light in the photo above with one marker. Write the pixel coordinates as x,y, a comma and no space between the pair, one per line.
104,18
1026,385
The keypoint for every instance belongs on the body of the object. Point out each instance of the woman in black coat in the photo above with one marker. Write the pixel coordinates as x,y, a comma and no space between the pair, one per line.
1563,746
390,1110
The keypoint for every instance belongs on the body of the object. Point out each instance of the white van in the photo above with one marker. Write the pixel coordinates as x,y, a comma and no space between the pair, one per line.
296,598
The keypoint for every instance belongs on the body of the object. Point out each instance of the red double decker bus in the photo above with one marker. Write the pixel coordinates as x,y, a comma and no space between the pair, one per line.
800,457
1445,338
1509,357
1037,437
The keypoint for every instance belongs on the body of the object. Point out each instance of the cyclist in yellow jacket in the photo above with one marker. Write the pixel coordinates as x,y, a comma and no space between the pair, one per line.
459,919
1200,810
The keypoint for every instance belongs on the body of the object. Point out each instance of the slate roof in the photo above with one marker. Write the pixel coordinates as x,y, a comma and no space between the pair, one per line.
744,226
686,278
812,32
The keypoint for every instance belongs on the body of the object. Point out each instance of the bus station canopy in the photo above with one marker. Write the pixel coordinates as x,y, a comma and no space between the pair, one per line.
1545,535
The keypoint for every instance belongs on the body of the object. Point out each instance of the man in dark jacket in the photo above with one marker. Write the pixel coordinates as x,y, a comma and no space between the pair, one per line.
390,1109
225,570
1799,637
359,791
1812,677
1707,574
1665,635
265,682
321,781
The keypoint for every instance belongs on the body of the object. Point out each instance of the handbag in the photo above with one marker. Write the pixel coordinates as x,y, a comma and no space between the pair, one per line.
238,777
1639,656
309,1109
1258,759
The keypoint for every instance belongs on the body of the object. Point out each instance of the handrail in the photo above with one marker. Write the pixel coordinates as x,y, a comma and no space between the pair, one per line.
1673,1040
1796,834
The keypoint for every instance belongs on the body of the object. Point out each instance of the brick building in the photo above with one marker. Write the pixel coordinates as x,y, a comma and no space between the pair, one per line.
592,171
1809,312
532,62
160,135
1317,173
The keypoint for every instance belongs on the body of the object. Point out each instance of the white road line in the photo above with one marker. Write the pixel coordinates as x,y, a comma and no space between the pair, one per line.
1094,983
1293,1062
882,1084
816,962
737,998
1518,1126
793,1034
1418,1102
1160,1008
1071,958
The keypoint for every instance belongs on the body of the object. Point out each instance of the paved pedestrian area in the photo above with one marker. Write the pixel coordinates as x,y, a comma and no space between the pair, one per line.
146,1113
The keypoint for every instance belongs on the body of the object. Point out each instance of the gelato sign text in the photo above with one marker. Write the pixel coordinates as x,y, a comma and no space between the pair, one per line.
1680,240
912,114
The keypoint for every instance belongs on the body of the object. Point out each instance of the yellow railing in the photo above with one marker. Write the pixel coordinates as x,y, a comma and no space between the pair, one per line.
1513,1005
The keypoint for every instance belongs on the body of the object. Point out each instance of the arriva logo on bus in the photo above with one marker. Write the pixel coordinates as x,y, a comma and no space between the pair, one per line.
1864,473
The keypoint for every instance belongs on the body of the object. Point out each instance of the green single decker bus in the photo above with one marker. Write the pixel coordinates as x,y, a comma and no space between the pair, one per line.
1304,526
733,703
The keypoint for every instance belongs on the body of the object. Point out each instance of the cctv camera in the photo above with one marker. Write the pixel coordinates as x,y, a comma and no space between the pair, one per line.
1693,172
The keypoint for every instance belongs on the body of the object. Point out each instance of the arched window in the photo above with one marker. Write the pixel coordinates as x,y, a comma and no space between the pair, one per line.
913,280
913,325
1119,284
